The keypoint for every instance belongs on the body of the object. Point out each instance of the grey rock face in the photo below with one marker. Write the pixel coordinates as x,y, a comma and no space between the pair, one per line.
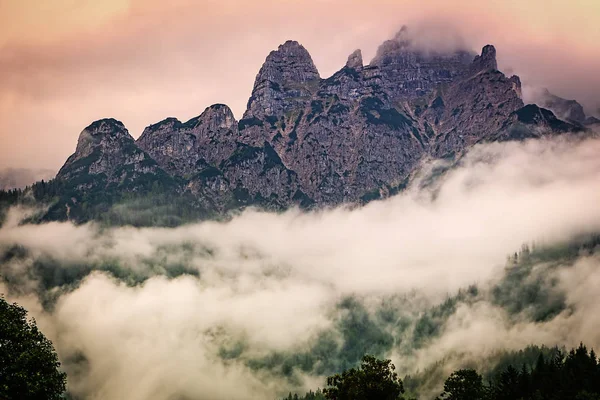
486,61
409,72
181,148
471,109
355,60
287,79
106,154
353,137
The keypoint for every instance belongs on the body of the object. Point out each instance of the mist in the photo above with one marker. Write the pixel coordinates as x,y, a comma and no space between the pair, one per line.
223,310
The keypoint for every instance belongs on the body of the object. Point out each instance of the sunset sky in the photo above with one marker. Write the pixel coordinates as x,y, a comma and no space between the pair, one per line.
66,63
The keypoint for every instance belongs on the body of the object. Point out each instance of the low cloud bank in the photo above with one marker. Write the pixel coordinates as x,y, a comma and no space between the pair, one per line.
188,312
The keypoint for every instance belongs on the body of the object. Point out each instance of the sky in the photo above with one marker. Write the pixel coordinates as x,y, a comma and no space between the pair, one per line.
66,63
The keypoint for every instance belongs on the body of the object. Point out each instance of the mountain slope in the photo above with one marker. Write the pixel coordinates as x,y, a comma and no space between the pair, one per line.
304,140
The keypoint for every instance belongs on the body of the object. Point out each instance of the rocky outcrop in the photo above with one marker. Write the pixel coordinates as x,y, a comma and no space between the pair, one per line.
355,60
350,138
409,72
182,148
473,107
486,61
287,79
106,155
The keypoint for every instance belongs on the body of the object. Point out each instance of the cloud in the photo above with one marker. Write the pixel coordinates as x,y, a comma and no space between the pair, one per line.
212,310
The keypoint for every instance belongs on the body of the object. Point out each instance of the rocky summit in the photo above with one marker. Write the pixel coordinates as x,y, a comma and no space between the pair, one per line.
310,141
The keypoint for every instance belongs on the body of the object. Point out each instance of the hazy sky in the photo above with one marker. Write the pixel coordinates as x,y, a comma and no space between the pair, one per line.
65,63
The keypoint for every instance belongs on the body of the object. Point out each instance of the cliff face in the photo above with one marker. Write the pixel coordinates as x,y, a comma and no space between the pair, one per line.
183,148
106,155
353,137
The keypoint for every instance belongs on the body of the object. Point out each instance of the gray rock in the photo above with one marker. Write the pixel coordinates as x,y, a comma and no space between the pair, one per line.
181,148
287,79
106,155
569,110
355,60
353,137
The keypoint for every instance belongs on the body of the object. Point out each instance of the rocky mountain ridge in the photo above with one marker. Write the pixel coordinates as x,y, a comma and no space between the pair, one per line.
569,110
305,140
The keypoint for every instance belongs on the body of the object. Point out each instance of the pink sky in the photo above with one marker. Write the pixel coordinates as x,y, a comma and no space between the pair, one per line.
66,63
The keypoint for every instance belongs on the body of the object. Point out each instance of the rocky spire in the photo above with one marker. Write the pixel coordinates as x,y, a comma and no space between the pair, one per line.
486,61
355,60
288,72
389,49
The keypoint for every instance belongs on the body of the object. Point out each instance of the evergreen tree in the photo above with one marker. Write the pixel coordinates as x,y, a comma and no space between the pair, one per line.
29,366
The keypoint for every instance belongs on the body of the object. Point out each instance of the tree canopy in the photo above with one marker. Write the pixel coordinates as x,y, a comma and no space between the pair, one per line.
29,366
373,380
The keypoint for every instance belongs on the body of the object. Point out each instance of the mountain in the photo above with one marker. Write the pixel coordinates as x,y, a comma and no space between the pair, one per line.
310,141
569,110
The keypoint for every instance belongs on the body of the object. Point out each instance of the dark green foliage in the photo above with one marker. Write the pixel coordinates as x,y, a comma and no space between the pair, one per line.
293,134
29,366
243,153
428,325
302,199
316,109
417,135
373,380
360,333
464,384
338,108
318,395
209,172
272,120
376,114
249,122
370,196
554,377
437,103
48,273
272,159
531,292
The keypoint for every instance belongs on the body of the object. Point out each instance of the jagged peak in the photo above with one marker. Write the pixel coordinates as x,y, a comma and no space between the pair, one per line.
402,36
423,43
217,109
105,125
217,115
290,46
97,135
487,60
167,121
288,67
355,60
290,55
102,128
